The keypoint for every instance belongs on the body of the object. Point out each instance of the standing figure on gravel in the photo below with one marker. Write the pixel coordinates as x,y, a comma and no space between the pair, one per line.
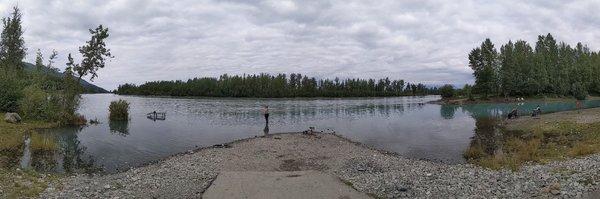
265,111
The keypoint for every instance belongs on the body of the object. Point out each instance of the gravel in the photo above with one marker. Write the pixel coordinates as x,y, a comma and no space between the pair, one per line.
378,173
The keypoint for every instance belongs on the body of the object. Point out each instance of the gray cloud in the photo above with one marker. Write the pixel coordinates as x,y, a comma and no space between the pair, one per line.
423,41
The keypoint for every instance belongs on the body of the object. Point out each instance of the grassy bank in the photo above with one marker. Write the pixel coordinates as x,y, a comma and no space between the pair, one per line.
477,100
551,137
16,183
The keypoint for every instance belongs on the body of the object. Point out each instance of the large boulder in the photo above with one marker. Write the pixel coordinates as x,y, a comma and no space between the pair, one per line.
12,118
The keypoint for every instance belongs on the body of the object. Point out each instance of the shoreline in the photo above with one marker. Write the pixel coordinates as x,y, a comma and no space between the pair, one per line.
379,173
465,101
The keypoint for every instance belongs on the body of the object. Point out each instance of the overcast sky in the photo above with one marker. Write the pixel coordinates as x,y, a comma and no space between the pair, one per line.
415,40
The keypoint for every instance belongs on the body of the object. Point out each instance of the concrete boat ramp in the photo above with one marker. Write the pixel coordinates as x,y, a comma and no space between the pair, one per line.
276,184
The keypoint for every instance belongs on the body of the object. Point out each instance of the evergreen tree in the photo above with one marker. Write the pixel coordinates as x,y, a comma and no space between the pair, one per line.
39,61
551,68
12,44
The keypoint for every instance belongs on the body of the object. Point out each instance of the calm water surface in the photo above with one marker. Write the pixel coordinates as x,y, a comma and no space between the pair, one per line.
406,125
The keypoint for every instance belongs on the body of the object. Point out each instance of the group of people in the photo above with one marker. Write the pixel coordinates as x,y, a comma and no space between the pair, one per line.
515,112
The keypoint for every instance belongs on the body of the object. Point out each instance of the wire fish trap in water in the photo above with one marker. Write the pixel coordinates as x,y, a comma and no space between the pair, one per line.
157,116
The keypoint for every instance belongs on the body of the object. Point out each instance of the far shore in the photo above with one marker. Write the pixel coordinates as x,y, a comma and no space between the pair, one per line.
582,116
464,101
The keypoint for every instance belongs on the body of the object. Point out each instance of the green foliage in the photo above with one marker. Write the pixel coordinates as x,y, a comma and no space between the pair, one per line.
551,68
94,54
12,44
119,110
578,91
484,62
11,93
43,94
34,104
50,106
281,85
447,91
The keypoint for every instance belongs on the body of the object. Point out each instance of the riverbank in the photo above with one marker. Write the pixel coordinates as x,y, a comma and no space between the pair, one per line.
537,140
377,173
14,182
583,116
464,101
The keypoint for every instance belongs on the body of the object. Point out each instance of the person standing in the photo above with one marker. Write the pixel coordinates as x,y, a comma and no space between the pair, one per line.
265,111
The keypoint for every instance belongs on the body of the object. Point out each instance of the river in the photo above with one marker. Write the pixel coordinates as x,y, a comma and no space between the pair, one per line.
408,126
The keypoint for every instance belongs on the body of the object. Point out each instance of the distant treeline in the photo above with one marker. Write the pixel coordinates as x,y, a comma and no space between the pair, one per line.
550,68
269,86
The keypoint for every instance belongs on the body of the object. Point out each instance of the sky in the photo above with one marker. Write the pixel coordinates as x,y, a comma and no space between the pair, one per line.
415,40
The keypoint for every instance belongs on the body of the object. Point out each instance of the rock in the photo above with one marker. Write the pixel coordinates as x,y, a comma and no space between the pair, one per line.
12,118
555,192
106,186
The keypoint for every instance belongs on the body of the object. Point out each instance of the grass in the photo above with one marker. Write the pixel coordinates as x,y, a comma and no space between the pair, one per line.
540,143
23,183
119,110
16,183
11,135
40,142
479,99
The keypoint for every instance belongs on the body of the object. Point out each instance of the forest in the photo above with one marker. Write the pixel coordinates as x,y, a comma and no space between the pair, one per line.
276,86
550,68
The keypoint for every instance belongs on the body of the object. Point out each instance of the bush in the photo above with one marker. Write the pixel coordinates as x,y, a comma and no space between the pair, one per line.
579,91
34,104
10,95
37,104
119,110
447,91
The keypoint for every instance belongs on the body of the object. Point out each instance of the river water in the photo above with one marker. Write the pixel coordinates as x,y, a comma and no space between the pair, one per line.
408,126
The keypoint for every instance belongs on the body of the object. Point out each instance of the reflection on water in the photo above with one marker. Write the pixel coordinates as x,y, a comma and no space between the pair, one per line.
406,125
119,127
26,158
266,129
55,152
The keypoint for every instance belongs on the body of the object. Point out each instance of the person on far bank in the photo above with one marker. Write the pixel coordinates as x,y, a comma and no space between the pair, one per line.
537,111
265,111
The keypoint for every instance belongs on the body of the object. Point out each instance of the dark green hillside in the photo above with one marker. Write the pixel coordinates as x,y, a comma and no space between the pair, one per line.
88,87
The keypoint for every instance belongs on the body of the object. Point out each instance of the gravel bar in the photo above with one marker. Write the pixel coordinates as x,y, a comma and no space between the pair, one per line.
378,173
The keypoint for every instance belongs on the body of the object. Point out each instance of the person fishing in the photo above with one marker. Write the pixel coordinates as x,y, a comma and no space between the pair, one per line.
513,114
265,111
537,111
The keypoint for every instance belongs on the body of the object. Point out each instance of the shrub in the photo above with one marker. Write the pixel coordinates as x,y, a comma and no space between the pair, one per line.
34,103
10,95
37,104
447,91
474,152
579,91
119,110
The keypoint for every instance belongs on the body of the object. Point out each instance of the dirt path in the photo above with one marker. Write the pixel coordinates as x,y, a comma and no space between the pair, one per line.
280,184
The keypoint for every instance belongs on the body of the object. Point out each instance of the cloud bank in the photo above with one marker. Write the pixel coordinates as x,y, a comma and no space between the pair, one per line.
419,41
